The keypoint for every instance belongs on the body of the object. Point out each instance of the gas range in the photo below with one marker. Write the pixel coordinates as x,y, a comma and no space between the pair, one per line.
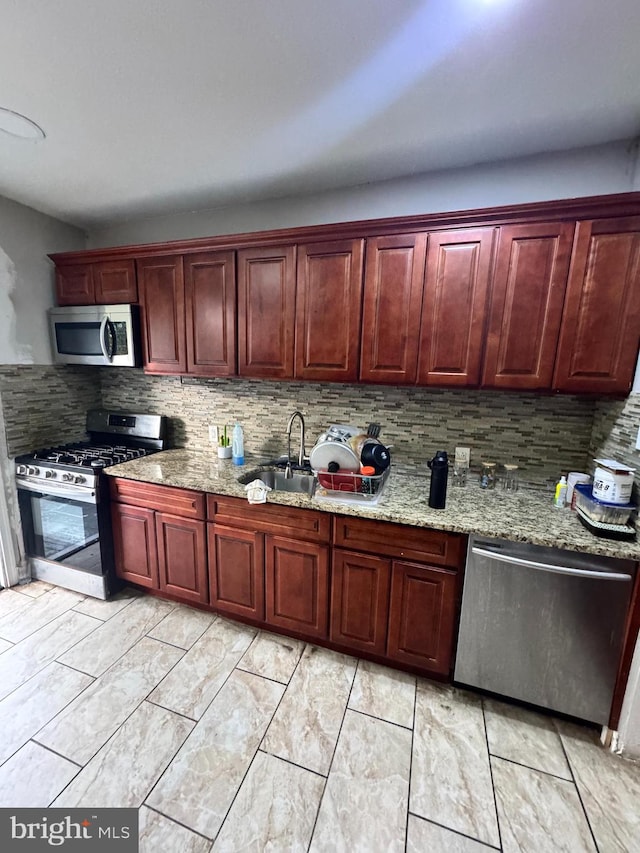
114,438
64,502
79,463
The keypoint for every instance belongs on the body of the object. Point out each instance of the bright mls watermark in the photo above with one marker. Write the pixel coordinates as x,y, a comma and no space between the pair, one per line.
70,830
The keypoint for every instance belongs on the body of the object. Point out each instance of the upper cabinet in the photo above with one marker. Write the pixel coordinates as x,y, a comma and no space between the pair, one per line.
161,283
210,313
328,311
266,311
98,283
598,344
188,307
453,307
539,297
393,287
299,311
527,295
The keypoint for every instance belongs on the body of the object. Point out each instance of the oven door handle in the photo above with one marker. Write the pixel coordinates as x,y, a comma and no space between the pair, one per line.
59,490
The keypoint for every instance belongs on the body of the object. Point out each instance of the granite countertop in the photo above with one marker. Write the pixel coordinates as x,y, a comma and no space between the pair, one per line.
526,516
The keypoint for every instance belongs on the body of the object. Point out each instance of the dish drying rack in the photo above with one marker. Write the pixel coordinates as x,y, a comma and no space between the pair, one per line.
348,487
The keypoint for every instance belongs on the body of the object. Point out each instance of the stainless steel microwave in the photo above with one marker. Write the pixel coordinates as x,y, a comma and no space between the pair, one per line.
105,335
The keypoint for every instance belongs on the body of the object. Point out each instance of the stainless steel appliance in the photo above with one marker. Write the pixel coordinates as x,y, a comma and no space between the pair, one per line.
64,500
543,625
105,335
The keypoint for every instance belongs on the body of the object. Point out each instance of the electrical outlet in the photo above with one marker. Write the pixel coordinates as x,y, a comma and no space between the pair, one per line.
638,440
462,456
213,434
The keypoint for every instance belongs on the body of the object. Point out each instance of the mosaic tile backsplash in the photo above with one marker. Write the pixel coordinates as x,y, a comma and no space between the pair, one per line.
544,435
45,405
615,429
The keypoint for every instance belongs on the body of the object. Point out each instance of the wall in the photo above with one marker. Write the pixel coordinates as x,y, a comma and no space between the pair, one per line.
636,176
615,428
26,292
568,174
27,280
629,728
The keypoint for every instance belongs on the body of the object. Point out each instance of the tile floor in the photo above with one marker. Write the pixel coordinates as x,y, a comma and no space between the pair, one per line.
229,739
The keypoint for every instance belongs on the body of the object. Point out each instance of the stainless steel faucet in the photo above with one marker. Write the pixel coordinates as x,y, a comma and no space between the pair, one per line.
288,472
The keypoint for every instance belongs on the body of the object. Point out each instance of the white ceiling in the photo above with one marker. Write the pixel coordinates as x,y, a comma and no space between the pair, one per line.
153,106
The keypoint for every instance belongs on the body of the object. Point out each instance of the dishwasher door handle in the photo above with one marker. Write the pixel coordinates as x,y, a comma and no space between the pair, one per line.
547,567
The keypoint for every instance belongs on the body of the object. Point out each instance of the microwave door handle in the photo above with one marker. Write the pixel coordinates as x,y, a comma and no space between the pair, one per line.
111,339
101,333
107,336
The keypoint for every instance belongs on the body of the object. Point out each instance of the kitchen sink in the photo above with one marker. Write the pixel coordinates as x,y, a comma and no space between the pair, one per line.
301,483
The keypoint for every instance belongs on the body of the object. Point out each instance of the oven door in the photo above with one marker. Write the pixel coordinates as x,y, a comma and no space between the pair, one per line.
61,525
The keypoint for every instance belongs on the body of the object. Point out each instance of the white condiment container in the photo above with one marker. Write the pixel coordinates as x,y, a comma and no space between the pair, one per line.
574,477
612,481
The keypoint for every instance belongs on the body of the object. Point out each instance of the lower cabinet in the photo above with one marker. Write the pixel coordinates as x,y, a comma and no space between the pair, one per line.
159,538
422,616
236,571
270,563
182,557
360,601
297,585
390,606
387,590
134,544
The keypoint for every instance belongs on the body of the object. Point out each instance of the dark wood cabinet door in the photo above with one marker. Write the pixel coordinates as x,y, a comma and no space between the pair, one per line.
393,286
74,285
236,571
422,616
210,310
527,295
328,311
360,601
266,311
454,306
161,290
134,542
182,557
297,586
115,282
600,328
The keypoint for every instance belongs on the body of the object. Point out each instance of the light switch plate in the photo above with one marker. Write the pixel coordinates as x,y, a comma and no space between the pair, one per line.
638,440
213,434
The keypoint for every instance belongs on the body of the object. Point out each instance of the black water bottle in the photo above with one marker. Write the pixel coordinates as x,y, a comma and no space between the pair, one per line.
439,472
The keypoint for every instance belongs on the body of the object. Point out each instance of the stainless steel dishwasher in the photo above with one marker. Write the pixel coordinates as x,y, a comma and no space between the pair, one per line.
544,626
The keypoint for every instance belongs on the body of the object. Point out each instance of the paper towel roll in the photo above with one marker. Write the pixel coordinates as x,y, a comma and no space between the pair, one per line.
572,478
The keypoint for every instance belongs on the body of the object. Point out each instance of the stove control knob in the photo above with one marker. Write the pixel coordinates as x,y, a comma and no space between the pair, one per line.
67,478
32,470
21,469
49,474
79,479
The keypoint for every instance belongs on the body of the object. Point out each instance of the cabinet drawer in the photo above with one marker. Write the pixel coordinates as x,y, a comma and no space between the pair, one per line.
399,540
183,502
269,518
